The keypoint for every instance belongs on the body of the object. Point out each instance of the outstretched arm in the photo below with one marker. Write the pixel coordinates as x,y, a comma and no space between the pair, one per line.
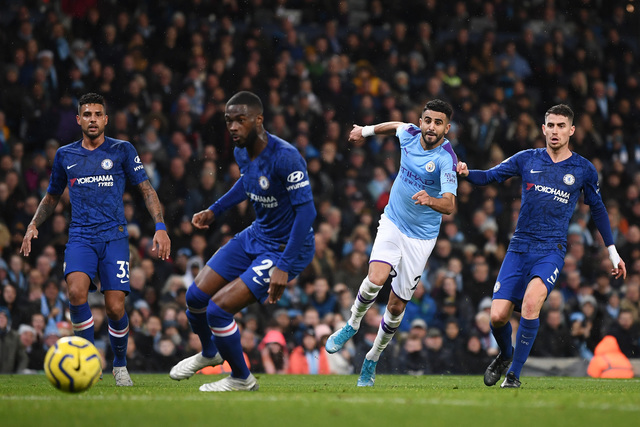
201,220
44,211
161,240
359,133
477,177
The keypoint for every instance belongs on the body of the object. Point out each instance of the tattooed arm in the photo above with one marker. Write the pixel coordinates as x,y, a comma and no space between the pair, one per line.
44,211
161,240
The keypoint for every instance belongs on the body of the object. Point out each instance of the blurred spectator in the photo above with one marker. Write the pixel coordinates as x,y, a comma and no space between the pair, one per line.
309,357
13,356
51,305
250,348
453,346
474,359
275,356
10,300
627,333
33,347
136,362
482,329
589,329
165,355
412,359
554,337
631,299
436,356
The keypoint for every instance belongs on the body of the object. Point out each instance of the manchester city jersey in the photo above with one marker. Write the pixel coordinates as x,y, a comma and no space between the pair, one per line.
550,192
431,170
96,181
275,182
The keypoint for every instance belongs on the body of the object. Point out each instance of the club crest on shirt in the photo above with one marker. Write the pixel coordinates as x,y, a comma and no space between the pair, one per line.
569,179
496,287
107,164
264,182
430,167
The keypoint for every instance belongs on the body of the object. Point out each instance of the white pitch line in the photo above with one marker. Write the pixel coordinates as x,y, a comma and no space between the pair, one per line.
263,397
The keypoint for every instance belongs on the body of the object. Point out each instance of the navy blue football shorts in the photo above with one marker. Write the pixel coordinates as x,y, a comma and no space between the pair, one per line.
518,269
248,259
109,261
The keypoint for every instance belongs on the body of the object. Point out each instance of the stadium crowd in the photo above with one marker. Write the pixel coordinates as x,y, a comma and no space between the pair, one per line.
320,66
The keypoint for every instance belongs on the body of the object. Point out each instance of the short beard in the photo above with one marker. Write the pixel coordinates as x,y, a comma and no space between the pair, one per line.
92,137
250,140
436,142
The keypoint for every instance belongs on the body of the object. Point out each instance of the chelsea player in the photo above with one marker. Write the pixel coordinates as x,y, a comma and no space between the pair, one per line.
257,263
553,178
423,191
96,170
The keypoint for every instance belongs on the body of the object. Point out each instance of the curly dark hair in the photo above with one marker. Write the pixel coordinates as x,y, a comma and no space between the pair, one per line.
439,106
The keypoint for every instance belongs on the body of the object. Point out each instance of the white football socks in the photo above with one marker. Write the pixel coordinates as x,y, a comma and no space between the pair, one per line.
366,297
386,331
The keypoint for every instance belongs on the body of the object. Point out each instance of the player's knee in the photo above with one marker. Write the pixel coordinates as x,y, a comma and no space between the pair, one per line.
499,319
530,310
114,311
195,299
77,296
377,278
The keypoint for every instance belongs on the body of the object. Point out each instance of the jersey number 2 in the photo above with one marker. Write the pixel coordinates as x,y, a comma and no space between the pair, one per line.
266,265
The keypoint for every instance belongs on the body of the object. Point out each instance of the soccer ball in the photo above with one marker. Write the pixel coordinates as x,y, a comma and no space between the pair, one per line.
73,364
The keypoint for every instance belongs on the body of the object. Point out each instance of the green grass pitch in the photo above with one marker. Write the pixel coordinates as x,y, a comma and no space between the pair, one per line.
285,400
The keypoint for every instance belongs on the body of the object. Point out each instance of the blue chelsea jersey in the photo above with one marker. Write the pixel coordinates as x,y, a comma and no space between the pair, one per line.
550,192
431,170
274,182
96,181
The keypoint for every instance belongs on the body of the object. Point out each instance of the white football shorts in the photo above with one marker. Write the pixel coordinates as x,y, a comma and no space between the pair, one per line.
406,256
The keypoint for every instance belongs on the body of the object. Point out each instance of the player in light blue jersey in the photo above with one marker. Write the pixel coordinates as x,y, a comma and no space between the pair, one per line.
96,169
258,262
424,190
553,178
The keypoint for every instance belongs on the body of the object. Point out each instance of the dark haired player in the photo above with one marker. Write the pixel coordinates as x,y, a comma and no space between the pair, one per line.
259,261
423,191
553,178
96,170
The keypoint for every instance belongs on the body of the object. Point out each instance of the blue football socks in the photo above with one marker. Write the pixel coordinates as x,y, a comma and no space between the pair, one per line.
524,341
197,302
82,321
503,338
227,338
119,338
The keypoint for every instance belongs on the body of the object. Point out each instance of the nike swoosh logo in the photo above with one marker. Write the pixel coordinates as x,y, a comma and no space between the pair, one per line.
124,281
532,171
255,279
70,166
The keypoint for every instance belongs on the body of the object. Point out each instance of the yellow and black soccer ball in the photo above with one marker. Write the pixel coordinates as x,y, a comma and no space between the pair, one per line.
73,364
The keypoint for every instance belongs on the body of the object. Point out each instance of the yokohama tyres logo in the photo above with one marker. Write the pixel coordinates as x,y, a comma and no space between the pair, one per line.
101,180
